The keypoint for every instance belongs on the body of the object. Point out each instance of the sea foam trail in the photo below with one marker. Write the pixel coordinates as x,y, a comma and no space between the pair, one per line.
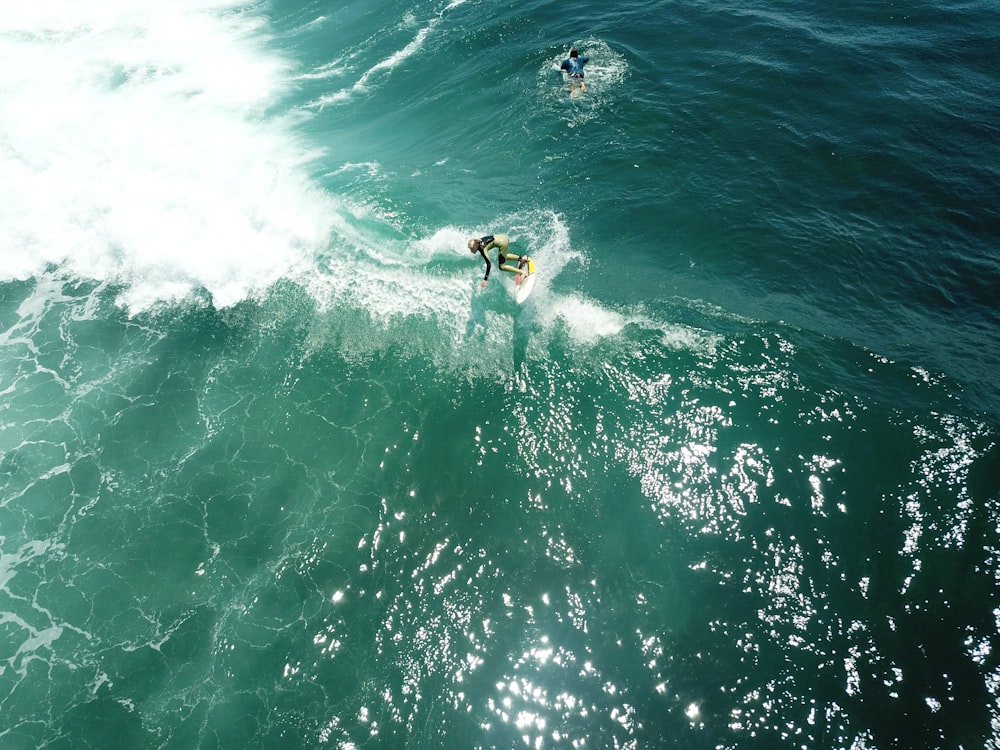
436,279
151,159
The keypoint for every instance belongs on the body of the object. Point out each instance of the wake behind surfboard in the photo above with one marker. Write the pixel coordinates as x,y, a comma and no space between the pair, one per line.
524,283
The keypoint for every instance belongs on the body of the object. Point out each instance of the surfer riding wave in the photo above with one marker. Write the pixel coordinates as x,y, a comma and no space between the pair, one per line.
501,242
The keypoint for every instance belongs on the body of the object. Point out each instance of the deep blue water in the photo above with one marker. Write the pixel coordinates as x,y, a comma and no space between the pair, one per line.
276,472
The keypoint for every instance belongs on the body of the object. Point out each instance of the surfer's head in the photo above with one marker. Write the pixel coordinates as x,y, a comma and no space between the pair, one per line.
475,245
574,53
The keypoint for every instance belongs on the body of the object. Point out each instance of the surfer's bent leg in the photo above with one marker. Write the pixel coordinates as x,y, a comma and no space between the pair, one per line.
510,269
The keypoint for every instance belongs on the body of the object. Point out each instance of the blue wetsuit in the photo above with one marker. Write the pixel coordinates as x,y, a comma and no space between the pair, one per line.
574,66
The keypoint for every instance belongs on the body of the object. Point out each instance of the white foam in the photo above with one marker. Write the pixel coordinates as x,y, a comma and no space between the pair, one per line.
585,320
333,69
39,639
136,149
382,66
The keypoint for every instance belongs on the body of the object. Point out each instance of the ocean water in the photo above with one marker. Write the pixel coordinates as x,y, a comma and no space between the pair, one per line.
275,472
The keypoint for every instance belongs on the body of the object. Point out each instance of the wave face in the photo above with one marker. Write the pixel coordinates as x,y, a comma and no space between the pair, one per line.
275,471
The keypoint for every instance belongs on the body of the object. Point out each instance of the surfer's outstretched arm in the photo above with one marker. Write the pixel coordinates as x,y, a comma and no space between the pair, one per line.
488,266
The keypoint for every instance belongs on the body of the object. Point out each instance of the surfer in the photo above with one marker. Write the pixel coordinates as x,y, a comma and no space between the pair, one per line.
501,242
573,65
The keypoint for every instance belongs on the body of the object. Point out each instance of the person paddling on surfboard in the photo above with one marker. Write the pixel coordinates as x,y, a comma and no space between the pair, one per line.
501,242
573,65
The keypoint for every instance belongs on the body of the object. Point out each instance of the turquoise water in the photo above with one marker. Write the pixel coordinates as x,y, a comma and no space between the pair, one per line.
275,472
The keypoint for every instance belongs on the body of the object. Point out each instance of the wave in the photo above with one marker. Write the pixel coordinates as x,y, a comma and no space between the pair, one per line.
141,150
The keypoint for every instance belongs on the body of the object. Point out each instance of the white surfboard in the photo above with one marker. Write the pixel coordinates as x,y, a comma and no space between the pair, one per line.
523,284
